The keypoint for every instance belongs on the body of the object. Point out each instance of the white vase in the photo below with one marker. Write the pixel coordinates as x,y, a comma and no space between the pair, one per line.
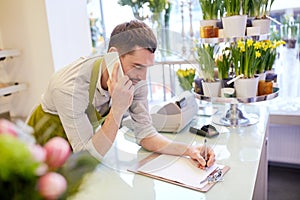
211,89
234,26
264,25
246,87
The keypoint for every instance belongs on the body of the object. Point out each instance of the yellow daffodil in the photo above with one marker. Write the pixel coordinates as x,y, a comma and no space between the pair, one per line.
257,54
249,42
257,45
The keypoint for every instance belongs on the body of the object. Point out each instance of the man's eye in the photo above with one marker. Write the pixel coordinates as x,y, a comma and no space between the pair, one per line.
137,67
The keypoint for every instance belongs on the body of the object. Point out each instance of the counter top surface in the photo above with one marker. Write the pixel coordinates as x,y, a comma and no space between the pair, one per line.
238,148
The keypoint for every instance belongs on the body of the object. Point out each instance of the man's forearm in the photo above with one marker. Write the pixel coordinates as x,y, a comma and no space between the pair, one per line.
161,144
105,136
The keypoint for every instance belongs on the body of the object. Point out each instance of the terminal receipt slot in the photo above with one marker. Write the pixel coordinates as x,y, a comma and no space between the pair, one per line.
174,115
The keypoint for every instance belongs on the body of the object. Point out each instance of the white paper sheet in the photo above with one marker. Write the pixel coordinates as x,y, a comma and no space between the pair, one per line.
180,169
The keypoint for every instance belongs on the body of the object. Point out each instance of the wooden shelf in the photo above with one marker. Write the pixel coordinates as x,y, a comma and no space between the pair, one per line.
9,53
12,89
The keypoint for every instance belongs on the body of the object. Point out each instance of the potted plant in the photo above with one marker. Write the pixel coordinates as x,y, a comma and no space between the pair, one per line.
268,55
186,78
245,56
205,55
223,62
261,9
210,10
235,21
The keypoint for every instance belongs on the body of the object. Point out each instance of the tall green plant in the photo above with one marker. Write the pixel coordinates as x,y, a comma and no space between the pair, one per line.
232,7
245,56
205,54
223,63
211,8
246,9
262,8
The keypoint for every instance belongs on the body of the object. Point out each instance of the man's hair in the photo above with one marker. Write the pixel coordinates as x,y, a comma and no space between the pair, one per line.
129,35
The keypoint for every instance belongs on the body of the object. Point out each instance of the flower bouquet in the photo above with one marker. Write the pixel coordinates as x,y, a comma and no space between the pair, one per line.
186,78
35,172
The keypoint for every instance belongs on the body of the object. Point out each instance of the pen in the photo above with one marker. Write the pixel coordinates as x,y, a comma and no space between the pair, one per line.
205,152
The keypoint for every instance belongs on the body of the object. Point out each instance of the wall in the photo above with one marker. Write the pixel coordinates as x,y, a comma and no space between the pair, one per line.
49,34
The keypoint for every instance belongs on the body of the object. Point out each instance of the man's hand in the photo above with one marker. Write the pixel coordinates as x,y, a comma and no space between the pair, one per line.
121,91
197,153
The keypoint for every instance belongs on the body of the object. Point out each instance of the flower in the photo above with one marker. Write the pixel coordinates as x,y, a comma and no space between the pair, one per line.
268,52
58,150
245,54
186,78
52,185
35,172
250,57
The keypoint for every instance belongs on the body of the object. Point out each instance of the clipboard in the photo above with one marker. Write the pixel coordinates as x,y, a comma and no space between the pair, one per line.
205,188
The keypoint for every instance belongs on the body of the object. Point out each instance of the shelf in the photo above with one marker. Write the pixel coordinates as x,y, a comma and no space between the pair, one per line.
234,39
9,53
240,99
13,88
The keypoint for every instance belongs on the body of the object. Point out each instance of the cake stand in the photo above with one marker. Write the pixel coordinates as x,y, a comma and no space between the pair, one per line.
234,116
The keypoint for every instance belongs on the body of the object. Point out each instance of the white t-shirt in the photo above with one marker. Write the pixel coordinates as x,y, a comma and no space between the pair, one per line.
67,95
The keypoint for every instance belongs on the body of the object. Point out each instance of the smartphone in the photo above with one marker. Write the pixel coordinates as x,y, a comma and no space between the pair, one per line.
110,59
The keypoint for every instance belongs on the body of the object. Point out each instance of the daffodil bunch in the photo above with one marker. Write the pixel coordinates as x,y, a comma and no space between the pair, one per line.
186,78
250,57
268,51
245,57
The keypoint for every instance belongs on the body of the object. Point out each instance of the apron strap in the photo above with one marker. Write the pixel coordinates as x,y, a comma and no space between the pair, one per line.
94,117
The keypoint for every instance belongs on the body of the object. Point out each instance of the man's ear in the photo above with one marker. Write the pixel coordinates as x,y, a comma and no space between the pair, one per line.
112,49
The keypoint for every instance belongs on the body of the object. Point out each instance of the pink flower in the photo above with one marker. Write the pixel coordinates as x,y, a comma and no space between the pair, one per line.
39,155
52,185
38,152
7,127
58,151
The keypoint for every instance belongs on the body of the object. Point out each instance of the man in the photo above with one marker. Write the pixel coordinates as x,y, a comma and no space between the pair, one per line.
76,91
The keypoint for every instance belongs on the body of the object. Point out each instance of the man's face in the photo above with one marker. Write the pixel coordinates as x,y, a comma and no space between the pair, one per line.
135,64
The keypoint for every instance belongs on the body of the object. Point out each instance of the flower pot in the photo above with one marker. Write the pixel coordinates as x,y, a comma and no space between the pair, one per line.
246,87
234,26
211,89
224,83
253,31
265,87
208,28
211,22
264,25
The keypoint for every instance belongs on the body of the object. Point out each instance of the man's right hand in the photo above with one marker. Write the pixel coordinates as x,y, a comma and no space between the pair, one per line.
121,92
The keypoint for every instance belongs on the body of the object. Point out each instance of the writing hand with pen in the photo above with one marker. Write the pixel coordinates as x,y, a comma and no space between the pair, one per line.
203,155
